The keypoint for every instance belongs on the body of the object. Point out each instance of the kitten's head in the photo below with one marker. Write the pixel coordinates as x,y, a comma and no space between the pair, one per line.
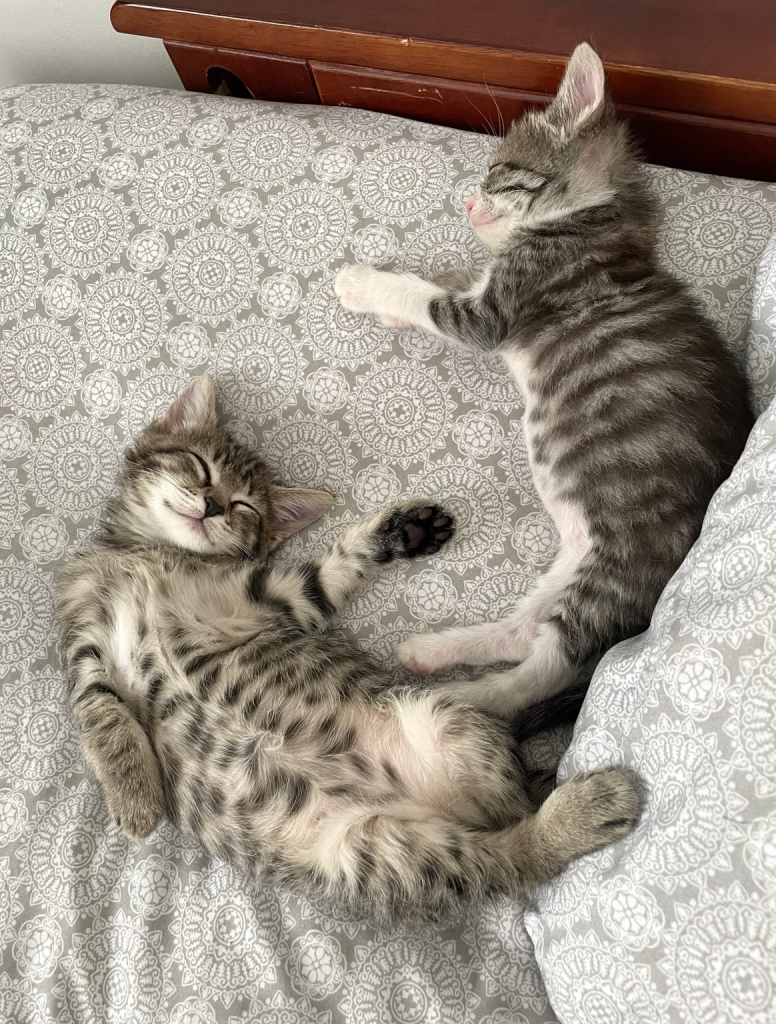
189,484
552,163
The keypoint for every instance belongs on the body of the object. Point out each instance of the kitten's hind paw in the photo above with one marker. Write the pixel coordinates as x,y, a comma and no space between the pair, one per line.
411,663
424,653
592,810
413,529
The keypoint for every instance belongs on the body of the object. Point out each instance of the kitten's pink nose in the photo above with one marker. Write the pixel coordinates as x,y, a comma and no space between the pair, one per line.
471,202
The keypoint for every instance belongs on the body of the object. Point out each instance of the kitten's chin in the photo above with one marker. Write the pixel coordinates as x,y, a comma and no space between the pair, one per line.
181,530
189,535
493,233
202,536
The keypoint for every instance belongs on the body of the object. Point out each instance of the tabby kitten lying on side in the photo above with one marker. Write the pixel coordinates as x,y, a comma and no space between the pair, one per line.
634,412
212,686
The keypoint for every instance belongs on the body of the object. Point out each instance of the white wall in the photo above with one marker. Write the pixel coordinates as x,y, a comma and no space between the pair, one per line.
73,41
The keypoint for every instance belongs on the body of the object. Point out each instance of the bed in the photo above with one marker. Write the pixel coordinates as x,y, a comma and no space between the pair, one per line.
147,236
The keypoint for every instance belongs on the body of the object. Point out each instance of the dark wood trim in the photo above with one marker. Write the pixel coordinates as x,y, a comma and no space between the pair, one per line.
713,145
682,118
265,76
467,105
677,91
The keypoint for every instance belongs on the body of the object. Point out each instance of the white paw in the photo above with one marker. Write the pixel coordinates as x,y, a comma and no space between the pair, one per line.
355,287
423,654
394,324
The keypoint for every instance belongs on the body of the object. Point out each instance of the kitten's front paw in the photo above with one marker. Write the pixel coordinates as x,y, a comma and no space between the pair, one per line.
414,528
136,810
354,287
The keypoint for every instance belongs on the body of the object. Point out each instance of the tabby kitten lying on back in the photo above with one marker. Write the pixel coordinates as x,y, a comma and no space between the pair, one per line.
634,412
208,684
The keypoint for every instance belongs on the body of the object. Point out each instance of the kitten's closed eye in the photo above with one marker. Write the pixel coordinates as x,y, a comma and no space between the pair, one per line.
515,179
245,504
204,467
512,188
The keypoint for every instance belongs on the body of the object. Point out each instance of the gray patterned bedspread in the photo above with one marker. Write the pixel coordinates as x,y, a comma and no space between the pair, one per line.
148,236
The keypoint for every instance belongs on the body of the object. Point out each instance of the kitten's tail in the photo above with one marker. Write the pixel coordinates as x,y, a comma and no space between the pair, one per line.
563,707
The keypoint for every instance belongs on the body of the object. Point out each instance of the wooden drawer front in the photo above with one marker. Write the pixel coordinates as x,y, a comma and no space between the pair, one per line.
262,75
456,104
739,148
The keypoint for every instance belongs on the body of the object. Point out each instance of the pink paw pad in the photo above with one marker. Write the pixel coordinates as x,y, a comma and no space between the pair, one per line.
413,665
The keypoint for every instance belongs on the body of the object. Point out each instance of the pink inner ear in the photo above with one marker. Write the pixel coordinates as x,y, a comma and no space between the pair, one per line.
194,409
582,90
174,417
588,92
296,508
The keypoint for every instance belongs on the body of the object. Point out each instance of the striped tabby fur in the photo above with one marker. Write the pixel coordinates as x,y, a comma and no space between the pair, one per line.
210,686
634,412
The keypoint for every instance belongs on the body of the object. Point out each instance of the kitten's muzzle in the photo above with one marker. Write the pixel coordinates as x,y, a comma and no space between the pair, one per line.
212,508
480,212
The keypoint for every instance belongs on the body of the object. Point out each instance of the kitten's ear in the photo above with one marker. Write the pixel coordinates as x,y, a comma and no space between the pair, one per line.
581,96
295,508
195,409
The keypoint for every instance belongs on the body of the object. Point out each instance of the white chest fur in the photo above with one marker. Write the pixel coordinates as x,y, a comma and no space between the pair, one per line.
568,517
124,645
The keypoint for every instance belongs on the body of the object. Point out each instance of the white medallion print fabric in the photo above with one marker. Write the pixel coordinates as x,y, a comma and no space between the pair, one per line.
147,237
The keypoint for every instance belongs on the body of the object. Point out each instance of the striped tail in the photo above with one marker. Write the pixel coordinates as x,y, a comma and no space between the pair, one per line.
560,709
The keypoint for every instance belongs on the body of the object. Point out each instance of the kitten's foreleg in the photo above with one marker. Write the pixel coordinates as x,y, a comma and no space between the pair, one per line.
116,745
318,589
394,298
471,316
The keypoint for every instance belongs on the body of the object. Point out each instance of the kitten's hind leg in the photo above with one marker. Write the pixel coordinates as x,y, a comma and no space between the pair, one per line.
482,644
394,323
405,858
486,643
547,670
116,746
318,589
590,811
452,757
